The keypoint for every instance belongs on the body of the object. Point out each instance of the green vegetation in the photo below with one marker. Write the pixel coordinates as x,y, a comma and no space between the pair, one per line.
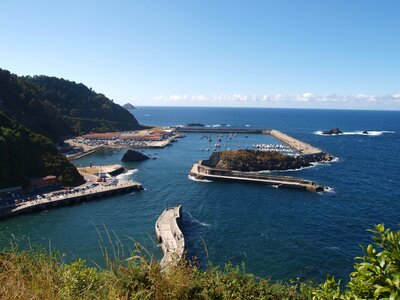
255,160
57,108
25,154
33,274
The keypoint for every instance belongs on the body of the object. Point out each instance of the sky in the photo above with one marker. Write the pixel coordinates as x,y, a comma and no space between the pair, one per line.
301,54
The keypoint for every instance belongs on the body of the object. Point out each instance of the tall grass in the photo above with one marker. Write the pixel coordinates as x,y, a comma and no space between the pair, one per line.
40,274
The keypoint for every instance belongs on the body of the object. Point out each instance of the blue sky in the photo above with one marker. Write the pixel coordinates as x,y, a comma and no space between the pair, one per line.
323,54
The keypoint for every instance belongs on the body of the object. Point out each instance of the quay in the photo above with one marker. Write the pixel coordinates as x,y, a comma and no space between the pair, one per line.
99,191
170,235
200,171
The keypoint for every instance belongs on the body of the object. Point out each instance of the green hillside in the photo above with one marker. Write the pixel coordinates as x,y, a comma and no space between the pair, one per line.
25,154
57,108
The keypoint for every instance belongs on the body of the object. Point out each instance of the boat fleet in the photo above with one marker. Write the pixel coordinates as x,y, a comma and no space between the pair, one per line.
274,147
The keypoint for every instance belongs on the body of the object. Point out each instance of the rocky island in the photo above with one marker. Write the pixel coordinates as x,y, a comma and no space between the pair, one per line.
333,131
195,125
132,155
128,106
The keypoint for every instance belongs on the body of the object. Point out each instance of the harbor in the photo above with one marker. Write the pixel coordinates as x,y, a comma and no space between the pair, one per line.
170,235
142,139
298,146
200,171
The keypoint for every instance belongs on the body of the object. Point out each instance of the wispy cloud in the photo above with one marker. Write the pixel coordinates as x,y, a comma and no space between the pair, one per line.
307,99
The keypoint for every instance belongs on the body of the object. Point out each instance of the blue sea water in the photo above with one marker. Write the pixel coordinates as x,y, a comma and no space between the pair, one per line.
278,233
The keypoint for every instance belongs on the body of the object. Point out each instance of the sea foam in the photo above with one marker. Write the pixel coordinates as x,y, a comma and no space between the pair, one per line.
200,180
358,132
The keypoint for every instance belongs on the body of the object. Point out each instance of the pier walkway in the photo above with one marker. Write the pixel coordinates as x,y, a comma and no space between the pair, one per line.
201,171
52,201
170,235
301,147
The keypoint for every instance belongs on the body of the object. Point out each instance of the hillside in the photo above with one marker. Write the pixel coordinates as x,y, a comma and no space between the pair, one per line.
25,154
57,108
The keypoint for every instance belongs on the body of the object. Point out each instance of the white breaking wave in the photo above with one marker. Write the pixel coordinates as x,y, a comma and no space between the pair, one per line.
247,125
127,174
357,132
312,165
218,125
200,180
197,221
329,190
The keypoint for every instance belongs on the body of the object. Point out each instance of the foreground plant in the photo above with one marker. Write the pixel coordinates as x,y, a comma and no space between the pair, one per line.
35,274
376,274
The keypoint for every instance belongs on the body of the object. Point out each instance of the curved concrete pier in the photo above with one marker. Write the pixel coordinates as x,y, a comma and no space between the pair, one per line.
201,171
170,235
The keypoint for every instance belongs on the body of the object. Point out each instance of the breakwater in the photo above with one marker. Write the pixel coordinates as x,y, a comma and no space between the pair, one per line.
301,147
170,235
200,171
216,130
50,202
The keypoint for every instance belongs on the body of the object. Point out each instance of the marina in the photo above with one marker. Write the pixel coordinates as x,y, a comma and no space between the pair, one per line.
300,147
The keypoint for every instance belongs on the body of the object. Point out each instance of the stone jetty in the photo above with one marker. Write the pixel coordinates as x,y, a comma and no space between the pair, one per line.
200,171
301,147
170,235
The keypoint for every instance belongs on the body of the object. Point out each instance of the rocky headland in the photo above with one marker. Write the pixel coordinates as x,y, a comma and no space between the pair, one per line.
257,160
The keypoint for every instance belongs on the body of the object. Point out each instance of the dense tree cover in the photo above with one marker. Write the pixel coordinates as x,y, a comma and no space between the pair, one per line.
25,154
57,108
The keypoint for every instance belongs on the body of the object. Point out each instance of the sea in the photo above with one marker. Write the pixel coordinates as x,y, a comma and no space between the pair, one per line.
277,233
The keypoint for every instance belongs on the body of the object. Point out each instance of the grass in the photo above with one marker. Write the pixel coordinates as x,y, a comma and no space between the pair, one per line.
37,274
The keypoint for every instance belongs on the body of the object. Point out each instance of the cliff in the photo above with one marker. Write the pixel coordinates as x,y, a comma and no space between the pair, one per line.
25,154
57,108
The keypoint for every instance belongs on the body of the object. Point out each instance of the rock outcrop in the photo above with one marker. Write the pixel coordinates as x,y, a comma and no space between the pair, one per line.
332,131
257,160
132,155
195,125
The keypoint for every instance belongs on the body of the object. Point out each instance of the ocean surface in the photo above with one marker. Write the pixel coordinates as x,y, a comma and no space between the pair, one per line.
277,233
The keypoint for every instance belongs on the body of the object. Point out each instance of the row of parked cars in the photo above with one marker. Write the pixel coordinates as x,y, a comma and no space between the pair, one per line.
13,199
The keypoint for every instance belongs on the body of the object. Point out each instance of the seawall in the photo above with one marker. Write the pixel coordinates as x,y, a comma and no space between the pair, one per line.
216,130
301,147
201,171
69,199
170,235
